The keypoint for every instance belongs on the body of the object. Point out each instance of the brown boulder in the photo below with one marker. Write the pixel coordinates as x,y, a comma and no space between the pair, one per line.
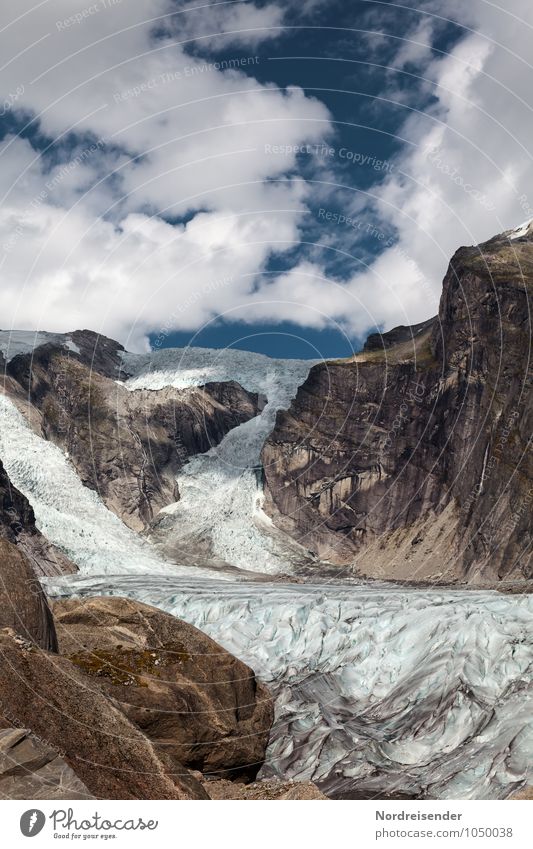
23,605
52,697
200,705
264,790
31,769
525,793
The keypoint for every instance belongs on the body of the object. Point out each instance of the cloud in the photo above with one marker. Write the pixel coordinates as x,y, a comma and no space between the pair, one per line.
161,207
148,132
416,48
64,269
466,174
242,24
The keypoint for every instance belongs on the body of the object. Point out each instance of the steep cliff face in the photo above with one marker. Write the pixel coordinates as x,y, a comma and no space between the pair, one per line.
23,606
412,460
128,446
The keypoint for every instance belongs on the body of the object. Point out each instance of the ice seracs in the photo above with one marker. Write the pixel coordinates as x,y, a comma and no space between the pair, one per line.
221,491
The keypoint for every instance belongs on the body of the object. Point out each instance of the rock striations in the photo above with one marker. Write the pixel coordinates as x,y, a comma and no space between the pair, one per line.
410,461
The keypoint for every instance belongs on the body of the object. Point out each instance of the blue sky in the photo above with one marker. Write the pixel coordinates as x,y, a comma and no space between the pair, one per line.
282,178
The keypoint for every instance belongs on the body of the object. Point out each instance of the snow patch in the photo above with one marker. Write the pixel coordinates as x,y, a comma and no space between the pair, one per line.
522,230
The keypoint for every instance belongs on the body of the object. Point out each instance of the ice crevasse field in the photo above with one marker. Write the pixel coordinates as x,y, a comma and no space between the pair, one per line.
380,689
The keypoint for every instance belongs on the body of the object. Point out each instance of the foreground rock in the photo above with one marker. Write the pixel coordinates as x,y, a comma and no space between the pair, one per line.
199,705
31,769
526,793
52,697
410,461
264,790
23,606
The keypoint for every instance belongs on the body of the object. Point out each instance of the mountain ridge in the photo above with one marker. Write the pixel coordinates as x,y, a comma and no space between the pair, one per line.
394,474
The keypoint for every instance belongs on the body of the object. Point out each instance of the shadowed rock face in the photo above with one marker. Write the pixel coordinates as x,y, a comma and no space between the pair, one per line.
23,605
128,446
31,769
410,460
65,708
199,705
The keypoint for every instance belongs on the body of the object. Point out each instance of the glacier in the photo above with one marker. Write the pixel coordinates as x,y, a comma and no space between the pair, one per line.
380,689
15,342
70,515
221,492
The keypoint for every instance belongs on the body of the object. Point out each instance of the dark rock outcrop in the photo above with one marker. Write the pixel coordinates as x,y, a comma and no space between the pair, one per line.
66,709
31,769
23,605
396,336
410,461
128,446
199,705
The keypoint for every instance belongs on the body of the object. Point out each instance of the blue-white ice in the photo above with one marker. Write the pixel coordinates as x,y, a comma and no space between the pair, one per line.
183,367
380,689
15,342
220,492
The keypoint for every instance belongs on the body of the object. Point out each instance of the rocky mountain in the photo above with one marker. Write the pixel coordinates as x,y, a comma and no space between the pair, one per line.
408,461
127,446
23,605
411,460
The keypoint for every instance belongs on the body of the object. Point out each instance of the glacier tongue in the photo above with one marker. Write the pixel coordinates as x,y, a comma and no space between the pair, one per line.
69,514
220,491
380,689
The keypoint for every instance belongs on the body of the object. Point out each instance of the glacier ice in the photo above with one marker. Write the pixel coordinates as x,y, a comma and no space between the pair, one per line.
380,689
72,516
221,491
15,342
